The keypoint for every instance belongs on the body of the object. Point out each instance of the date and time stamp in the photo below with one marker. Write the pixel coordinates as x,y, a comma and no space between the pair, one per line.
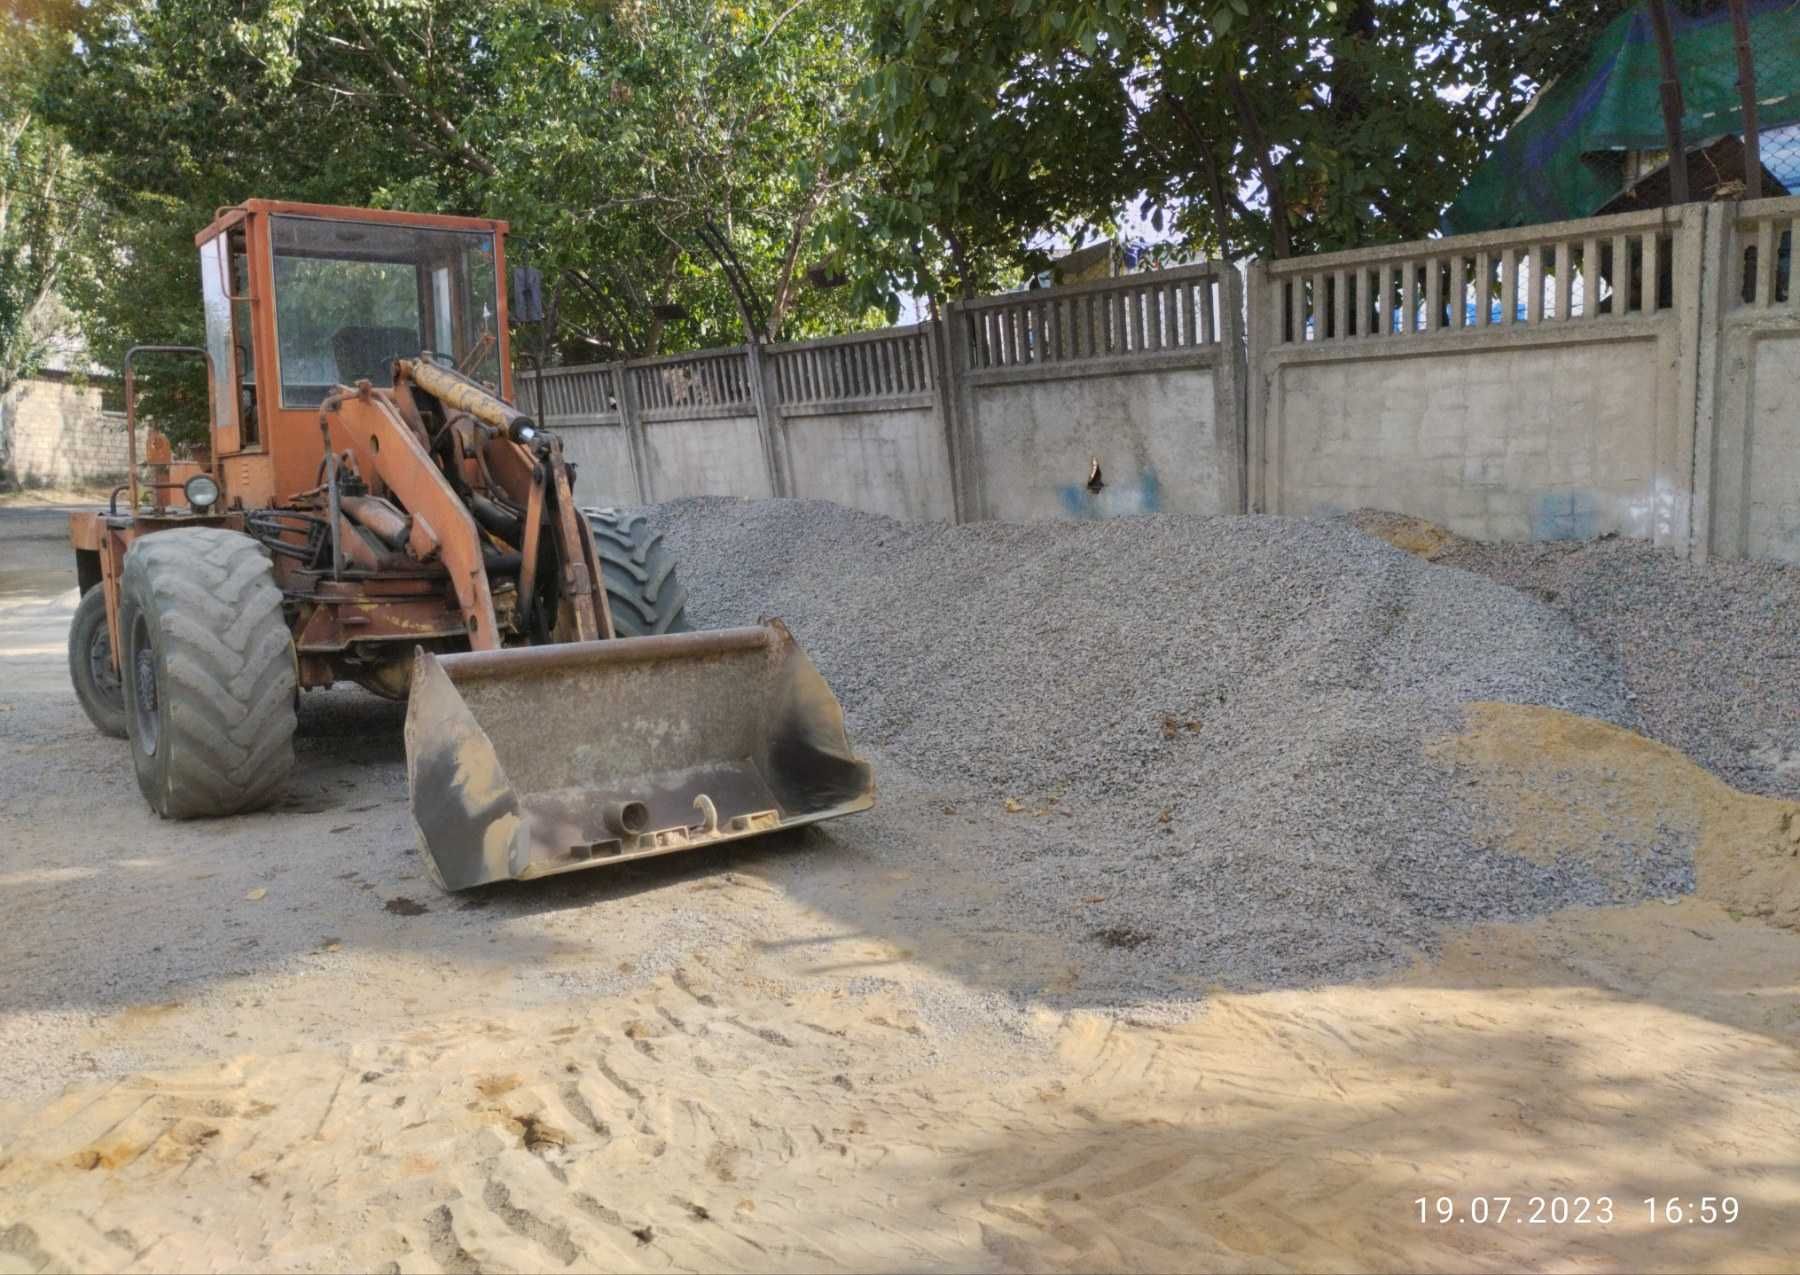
1574,1210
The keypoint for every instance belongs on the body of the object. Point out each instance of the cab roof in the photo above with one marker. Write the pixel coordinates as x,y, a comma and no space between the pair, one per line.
226,217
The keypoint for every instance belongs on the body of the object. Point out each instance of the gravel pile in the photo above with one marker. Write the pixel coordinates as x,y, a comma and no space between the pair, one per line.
1710,654
1211,731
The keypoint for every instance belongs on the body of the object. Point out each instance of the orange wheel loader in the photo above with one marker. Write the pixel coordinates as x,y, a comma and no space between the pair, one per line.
378,511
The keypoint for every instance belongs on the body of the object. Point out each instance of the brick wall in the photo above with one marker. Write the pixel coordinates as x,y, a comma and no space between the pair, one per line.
54,433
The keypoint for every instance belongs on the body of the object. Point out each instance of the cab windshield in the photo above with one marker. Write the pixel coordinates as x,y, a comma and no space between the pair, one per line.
351,297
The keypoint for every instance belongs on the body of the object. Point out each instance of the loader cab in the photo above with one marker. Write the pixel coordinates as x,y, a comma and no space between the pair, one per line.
302,298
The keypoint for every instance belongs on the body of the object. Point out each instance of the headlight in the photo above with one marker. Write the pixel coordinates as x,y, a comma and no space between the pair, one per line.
202,492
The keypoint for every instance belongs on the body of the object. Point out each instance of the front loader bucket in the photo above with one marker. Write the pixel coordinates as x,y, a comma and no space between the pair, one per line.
547,759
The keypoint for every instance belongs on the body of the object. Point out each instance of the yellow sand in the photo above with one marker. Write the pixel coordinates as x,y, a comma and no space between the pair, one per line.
707,1122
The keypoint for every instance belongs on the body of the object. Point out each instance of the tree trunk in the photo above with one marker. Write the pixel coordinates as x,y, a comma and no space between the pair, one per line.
1209,163
1671,100
1740,30
1350,90
1265,167
964,284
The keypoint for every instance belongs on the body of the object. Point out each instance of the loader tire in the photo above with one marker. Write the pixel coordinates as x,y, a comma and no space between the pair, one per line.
97,683
209,672
641,587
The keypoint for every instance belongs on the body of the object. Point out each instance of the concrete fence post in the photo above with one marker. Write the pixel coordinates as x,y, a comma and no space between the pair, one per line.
1259,315
771,426
1230,426
631,420
1709,273
943,411
956,404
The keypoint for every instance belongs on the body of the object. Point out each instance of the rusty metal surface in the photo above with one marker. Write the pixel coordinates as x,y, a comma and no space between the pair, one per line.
520,759
580,567
385,448
227,217
473,666
528,555
591,553
87,529
322,627
379,516
109,537
454,390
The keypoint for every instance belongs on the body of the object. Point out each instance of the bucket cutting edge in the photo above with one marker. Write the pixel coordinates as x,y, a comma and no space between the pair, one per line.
529,762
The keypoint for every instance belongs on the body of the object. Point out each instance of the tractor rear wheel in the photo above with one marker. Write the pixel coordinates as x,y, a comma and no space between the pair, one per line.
209,672
97,683
641,587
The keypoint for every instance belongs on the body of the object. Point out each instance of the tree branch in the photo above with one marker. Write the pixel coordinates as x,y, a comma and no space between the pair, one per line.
1222,201
770,33
1265,166
459,145
784,280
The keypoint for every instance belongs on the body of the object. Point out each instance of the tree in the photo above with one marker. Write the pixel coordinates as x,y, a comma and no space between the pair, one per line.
45,218
619,133
1273,128
607,135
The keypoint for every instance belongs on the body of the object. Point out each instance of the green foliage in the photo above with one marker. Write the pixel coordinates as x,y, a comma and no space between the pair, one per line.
606,134
1274,128
47,225
913,145
628,127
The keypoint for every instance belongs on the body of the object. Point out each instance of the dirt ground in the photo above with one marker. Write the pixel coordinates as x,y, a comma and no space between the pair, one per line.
266,1043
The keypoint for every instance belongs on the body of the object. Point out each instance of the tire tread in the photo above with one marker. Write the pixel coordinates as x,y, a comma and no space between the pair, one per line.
642,590
106,713
227,671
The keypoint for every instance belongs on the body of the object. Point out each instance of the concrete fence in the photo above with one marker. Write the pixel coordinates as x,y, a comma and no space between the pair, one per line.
1116,397
1747,461
1521,385
1101,399
1636,374
859,420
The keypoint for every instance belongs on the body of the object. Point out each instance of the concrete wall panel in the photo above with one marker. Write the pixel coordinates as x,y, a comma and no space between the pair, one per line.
602,455
1530,384
718,456
1152,432
1772,445
1496,442
891,462
1747,466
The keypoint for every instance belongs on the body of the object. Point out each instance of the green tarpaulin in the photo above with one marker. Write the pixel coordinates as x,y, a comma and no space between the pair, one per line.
1565,156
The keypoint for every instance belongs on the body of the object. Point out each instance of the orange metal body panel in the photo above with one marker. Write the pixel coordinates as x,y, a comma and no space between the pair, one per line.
287,456
342,212
364,616
87,530
367,425
248,479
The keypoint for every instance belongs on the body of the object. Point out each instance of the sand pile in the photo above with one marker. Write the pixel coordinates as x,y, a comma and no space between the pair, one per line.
1546,781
